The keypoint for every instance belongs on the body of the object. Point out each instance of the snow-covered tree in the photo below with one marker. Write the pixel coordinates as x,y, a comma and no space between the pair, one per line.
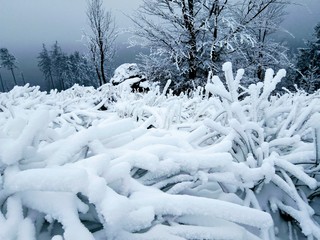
62,70
193,37
80,70
101,39
45,65
308,64
58,61
9,62
262,18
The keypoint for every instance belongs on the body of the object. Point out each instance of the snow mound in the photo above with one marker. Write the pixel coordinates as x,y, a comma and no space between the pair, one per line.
129,74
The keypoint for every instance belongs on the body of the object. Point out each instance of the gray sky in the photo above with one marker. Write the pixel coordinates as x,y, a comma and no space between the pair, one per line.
29,23
26,24
301,20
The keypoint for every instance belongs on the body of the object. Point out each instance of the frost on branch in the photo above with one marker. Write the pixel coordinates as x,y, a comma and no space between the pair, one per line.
266,134
241,164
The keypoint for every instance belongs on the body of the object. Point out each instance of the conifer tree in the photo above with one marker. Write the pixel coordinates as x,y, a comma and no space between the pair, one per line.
45,65
58,61
308,64
2,84
8,61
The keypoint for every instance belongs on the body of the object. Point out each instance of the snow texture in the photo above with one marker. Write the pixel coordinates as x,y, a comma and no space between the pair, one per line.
240,164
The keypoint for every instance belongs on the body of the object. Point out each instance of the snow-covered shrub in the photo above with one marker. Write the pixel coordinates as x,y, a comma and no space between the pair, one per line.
271,138
241,164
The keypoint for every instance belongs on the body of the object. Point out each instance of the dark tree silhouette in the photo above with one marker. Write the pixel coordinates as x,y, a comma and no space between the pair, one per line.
62,70
8,61
58,63
45,65
1,81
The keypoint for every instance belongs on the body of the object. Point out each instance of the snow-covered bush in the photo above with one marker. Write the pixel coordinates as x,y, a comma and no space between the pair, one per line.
271,138
222,163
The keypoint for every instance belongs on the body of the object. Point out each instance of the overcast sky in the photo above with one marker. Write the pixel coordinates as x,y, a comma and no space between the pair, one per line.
302,19
26,24
29,23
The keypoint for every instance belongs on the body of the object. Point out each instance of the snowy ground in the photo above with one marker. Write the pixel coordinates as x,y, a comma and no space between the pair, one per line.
110,164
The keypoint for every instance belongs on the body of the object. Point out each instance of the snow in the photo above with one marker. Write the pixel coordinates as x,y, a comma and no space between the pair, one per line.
125,71
47,179
188,205
66,213
158,166
13,150
26,230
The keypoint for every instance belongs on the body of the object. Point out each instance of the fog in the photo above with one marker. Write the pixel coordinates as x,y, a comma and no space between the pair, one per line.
300,21
26,25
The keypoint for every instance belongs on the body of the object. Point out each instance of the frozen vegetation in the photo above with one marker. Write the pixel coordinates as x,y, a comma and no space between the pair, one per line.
223,162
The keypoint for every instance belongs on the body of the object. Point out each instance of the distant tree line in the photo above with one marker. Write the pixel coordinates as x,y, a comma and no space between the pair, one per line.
61,70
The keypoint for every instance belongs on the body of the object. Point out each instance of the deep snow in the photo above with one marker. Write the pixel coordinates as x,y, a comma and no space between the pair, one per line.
241,164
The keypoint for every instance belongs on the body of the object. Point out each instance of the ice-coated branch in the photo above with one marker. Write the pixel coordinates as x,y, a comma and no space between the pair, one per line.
233,164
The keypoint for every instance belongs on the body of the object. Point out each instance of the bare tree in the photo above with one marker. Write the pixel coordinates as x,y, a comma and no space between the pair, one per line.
197,36
102,37
263,18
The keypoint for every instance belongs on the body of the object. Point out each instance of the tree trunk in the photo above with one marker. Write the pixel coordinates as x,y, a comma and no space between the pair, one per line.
23,80
61,83
14,77
103,76
192,63
99,76
102,60
188,16
260,74
216,11
51,79
2,85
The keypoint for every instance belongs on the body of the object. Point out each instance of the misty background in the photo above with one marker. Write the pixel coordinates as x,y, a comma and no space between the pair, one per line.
26,25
